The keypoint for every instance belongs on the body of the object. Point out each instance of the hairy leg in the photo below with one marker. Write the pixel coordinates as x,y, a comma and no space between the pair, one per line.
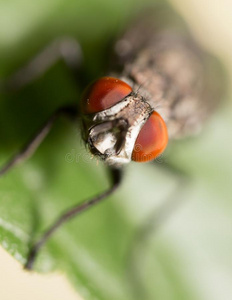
155,220
116,177
31,146
65,48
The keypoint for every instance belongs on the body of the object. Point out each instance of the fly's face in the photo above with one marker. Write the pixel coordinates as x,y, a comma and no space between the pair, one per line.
119,124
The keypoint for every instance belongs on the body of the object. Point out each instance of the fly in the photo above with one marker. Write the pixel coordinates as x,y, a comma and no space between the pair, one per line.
163,88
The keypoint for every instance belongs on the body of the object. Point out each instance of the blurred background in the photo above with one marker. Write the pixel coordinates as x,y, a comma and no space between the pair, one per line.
96,256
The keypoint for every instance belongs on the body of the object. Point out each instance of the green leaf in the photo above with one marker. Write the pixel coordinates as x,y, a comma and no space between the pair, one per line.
103,251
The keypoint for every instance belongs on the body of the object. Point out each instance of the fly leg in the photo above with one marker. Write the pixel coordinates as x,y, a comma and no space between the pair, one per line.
66,48
155,220
170,205
116,177
30,147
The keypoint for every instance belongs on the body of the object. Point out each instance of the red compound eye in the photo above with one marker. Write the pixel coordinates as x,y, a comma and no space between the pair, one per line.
152,139
103,93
